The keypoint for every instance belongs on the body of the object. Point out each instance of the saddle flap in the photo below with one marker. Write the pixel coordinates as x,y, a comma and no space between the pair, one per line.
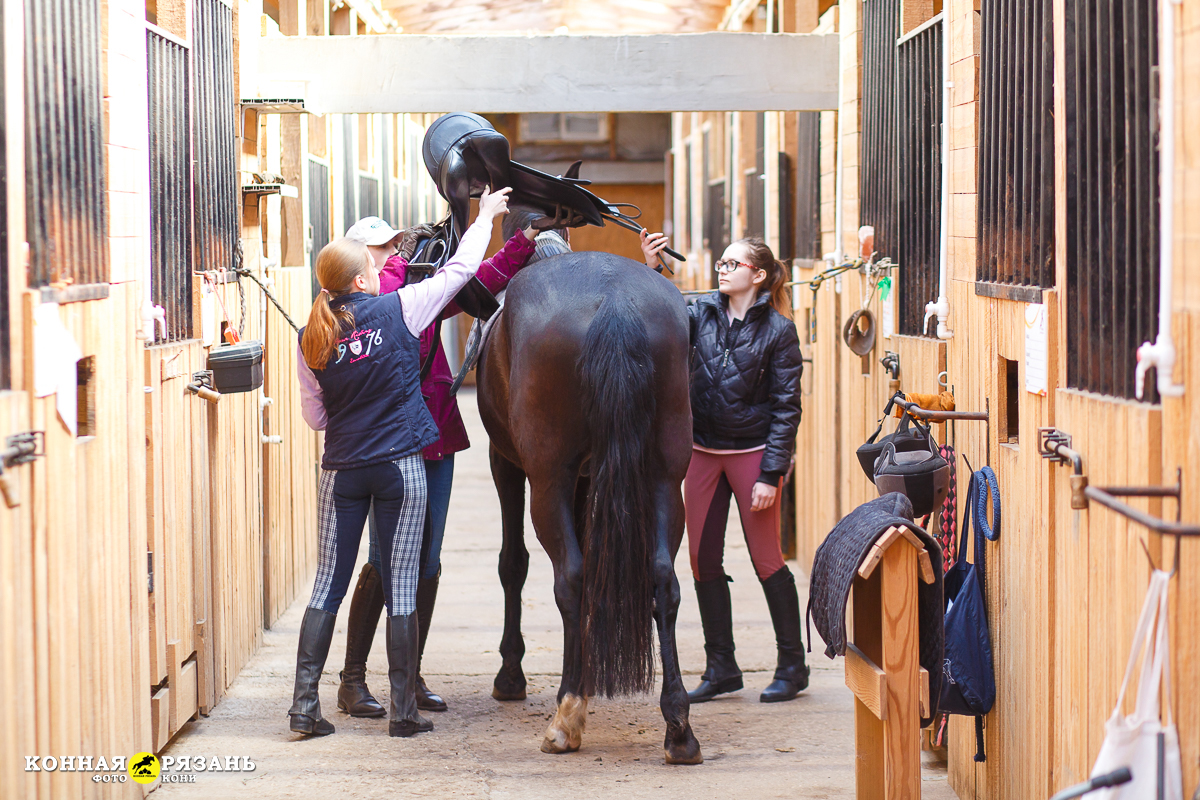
548,192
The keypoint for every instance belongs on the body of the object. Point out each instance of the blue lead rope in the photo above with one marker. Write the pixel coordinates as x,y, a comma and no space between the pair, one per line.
988,477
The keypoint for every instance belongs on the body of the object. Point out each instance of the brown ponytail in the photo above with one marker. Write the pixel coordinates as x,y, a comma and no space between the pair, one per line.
777,274
338,264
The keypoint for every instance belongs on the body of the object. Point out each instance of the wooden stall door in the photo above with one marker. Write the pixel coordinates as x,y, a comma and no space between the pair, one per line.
179,538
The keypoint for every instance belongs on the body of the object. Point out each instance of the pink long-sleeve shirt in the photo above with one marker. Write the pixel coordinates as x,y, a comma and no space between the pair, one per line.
494,273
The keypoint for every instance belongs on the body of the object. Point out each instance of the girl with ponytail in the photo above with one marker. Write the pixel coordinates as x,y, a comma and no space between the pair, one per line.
745,389
342,267
359,370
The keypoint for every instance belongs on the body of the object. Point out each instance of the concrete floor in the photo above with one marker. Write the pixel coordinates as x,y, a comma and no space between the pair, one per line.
485,749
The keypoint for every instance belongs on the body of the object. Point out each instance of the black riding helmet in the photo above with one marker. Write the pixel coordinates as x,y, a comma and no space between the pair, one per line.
907,437
922,476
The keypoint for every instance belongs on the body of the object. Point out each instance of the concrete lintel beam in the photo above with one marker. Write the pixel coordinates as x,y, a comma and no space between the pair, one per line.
532,73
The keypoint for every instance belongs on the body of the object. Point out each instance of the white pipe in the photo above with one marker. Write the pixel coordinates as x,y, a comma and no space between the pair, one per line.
837,255
263,402
942,306
1161,354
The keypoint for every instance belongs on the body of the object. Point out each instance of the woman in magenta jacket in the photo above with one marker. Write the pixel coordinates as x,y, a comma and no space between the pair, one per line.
365,607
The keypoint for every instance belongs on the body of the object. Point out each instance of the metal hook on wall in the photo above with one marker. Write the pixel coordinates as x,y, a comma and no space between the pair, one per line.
1174,564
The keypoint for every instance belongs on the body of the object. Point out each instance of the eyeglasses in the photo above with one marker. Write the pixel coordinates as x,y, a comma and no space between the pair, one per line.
729,265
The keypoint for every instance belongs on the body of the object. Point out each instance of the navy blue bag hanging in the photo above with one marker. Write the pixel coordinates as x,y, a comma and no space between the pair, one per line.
968,675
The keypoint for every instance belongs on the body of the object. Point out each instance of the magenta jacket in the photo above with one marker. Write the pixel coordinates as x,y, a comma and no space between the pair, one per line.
494,273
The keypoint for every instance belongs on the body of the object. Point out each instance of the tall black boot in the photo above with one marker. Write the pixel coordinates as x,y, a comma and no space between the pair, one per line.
721,673
316,632
427,589
791,674
402,672
365,607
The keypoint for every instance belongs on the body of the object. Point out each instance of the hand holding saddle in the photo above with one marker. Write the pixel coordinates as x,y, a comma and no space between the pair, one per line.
563,218
408,244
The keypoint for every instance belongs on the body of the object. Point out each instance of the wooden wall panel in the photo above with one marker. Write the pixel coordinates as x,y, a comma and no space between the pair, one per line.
291,467
90,660
1181,417
1064,586
236,463
87,560
17,672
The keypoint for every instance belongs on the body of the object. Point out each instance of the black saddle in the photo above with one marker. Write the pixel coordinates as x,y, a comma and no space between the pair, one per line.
464,153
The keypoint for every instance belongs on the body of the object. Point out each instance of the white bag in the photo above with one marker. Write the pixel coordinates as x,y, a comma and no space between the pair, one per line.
1137,740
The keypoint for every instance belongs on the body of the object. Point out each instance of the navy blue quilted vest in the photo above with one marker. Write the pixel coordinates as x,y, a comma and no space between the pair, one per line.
372,388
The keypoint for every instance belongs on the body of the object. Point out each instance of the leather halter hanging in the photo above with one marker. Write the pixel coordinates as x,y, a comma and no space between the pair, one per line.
858,339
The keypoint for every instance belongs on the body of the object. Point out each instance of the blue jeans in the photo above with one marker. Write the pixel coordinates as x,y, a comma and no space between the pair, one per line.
439,477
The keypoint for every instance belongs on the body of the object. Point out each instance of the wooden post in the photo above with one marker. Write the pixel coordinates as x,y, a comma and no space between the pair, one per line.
889,700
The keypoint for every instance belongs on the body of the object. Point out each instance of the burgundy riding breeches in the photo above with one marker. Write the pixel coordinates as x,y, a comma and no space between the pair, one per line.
712,478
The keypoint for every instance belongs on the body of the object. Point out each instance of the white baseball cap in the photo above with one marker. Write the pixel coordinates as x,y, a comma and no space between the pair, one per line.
372,231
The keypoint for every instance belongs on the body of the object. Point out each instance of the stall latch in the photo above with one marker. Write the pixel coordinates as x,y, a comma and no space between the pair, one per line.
202,386
20,448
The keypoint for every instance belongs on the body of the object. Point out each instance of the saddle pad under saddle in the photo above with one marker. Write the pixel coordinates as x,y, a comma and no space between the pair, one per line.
480,330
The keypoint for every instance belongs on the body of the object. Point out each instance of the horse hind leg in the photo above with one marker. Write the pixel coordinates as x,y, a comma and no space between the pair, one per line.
552,508
510,683
679,745
565,732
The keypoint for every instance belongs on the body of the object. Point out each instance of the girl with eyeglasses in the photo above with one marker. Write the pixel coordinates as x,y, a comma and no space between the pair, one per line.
745,377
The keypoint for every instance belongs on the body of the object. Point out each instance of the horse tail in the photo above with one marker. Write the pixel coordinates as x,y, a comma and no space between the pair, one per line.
617,369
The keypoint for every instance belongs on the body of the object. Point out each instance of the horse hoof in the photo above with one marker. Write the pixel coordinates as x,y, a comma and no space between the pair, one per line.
684,752
556,743
507,687
503,696
565,733
684,756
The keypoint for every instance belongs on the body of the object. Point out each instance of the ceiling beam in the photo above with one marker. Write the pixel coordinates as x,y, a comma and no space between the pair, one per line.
518,74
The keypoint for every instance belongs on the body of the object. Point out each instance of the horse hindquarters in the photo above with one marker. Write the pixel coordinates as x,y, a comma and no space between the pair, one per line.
617,370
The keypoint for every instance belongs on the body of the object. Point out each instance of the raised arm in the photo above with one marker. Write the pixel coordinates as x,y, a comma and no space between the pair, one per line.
423,302
495,272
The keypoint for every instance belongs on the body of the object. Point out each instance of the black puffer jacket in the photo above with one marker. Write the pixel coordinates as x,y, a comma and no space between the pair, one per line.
745,381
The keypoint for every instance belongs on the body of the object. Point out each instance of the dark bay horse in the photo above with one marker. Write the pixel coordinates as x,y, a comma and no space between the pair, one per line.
583,388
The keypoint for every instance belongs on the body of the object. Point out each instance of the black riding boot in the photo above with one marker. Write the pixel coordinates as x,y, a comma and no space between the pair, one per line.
426,596
365,607
721,673
791,674
402,672
316,632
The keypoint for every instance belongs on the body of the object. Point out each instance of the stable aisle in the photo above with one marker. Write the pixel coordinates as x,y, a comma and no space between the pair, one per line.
485,749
